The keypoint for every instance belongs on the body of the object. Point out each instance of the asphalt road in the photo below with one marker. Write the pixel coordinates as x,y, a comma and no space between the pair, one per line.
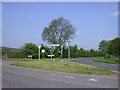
20,77
89,61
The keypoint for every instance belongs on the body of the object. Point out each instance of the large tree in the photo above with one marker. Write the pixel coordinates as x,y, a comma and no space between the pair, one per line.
58,31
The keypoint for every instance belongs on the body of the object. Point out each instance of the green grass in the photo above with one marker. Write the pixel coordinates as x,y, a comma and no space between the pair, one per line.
70,67
19,59
107,61
26,59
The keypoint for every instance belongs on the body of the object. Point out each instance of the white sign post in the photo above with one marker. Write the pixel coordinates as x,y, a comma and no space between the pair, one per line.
30,56
53,46
43,51
39,51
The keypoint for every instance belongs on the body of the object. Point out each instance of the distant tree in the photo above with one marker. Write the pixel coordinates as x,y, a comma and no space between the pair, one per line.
11,53
29,49
103,46
65,51
114,47
82,52
73,51
58,31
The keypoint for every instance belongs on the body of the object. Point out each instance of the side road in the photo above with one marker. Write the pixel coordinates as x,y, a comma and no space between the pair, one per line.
89,61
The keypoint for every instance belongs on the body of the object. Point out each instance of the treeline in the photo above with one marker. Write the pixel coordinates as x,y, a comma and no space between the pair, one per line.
32,49
111,48
106,49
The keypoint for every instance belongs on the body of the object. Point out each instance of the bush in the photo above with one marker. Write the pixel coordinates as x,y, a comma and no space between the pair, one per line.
107,56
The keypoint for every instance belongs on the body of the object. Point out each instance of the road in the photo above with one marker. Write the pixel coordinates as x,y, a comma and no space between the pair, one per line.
20,77
89,61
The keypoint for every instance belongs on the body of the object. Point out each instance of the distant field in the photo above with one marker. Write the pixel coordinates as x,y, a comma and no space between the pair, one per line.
70,67
107,61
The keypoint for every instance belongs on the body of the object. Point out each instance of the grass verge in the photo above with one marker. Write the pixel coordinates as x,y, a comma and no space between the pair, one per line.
27,59
107,61
70,67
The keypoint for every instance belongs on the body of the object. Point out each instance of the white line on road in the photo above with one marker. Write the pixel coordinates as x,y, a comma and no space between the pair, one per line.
69,77
53,74
93,80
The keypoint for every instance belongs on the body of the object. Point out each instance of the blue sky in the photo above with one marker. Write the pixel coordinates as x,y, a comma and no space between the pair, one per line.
23,22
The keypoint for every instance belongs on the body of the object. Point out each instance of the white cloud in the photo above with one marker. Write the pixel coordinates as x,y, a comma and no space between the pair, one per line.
115,13
115,6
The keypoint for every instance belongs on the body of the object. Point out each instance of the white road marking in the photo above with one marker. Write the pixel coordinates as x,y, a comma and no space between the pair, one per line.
114,71
93,80
69,77
53,74
78,83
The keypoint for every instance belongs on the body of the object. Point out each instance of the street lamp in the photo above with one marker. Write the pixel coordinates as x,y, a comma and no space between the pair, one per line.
39,46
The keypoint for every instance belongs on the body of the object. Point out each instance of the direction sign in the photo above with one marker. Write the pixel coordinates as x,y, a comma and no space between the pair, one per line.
43,50
50,55
51,50
53,45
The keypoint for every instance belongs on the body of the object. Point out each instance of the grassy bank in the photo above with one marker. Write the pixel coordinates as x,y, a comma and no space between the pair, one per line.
107,61
70,67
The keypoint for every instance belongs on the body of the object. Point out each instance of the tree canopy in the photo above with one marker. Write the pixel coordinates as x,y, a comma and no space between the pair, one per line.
29,49
103,46
58,31
114,47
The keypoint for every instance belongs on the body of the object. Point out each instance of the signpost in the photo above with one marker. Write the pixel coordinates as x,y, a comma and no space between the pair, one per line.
68,51
51,50
53,45
30,56
39,46
43,51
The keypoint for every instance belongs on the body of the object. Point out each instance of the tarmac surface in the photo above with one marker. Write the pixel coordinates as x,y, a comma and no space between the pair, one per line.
89,61
20,77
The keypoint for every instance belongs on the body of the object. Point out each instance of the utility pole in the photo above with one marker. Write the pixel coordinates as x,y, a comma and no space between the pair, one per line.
39,46
68,50
61,51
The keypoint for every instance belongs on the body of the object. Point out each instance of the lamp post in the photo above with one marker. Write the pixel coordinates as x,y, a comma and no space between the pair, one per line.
39,47
68,50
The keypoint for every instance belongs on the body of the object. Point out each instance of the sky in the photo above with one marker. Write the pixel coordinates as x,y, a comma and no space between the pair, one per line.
23,22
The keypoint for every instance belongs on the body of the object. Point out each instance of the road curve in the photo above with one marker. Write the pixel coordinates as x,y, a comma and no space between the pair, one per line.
89,61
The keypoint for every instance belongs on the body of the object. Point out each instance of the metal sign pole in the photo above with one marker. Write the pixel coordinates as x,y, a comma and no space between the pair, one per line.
68,51
39,53
61,51
51,56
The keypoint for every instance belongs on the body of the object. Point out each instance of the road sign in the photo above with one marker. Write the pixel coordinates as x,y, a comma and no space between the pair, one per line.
53,45
43,50
50,55
29,56
56,45
51,50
